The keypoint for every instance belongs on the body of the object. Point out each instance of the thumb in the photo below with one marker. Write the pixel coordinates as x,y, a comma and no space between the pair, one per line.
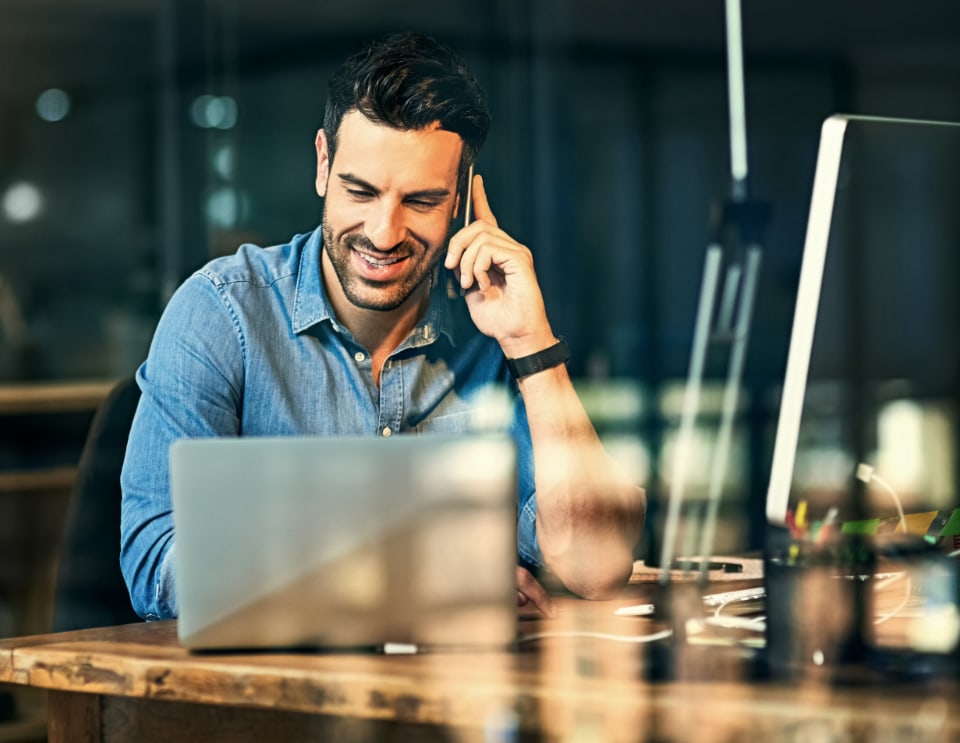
481,205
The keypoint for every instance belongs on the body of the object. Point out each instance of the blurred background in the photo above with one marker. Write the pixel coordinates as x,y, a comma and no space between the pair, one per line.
139,138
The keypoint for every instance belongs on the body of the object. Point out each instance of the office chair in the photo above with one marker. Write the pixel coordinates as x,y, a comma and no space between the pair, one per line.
90,590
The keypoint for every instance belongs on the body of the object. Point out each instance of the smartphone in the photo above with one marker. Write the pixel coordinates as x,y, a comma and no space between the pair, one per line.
468,205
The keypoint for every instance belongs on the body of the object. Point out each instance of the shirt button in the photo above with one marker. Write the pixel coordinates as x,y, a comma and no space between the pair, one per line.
359,356
387,431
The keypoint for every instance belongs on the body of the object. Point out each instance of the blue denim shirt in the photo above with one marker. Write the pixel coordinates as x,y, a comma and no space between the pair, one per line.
249,345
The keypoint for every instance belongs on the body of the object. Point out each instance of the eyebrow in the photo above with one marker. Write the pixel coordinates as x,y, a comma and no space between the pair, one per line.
428,193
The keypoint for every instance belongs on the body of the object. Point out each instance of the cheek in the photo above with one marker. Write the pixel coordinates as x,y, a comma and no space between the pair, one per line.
435,227
343,215
435,230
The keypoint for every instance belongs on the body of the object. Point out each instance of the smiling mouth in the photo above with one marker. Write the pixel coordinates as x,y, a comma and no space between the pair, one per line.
380,262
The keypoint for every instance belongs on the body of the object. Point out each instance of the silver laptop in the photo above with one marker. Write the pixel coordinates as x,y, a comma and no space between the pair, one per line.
345,542
873,361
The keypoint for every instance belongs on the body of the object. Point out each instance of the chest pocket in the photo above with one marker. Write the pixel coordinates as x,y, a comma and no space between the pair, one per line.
490,411
463,421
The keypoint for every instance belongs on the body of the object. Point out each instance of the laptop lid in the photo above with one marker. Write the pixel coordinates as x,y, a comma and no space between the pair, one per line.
345,541
872,368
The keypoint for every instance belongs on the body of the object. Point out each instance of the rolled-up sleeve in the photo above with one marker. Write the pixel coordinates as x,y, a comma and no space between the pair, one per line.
528,549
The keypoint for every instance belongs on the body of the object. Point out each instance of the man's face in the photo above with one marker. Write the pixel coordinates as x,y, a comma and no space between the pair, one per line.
389,198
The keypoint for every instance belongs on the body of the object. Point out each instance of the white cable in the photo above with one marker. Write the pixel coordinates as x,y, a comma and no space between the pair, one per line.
662,635
754,624
743,594
866,474
900,607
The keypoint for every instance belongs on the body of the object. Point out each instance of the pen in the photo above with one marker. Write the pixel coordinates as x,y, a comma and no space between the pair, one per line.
827,526
412,648
801,516
793,554
791,523
640,610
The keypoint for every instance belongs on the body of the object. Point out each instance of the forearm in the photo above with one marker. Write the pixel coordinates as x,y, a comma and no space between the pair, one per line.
146,519
146,524
184,394
589,514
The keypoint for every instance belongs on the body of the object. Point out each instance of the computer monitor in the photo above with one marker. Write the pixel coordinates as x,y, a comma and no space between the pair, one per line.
872,374
867,438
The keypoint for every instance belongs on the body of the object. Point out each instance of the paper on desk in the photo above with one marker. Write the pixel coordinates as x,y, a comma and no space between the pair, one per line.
917,523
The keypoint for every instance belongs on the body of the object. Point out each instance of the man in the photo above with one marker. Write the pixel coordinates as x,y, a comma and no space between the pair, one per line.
353,329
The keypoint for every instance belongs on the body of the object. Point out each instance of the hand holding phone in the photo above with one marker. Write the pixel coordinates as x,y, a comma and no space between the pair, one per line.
496,277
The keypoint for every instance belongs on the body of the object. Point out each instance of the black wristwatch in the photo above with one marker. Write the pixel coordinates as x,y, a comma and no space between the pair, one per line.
558,353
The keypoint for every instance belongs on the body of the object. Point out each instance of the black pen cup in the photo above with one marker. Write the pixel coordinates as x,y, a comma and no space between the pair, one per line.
816,600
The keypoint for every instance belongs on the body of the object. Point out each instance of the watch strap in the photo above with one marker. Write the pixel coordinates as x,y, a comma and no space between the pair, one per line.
558,353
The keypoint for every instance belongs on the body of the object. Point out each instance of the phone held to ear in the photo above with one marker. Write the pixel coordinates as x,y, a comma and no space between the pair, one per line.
468,199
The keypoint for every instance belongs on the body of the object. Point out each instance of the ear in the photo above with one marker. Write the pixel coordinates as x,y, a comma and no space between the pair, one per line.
323,163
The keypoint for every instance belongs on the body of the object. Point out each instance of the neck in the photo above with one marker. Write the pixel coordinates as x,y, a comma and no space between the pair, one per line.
378,331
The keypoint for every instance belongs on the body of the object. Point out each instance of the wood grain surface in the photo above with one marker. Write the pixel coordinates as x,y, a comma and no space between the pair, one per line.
135,682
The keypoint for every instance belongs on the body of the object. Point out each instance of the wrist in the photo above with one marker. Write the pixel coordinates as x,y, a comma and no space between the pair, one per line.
552,354
515,347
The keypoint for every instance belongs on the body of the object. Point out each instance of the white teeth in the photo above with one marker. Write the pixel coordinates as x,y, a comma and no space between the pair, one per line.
379,263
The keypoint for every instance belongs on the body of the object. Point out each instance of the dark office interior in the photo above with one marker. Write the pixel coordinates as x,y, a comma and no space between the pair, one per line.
140,138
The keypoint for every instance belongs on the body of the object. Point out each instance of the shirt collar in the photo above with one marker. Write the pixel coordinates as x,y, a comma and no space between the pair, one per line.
312,306
310,303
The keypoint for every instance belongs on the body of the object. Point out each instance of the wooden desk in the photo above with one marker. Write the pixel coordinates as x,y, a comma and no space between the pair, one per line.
136,683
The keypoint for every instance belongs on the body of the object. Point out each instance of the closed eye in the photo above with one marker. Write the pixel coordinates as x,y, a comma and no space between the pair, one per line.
424,204
360,195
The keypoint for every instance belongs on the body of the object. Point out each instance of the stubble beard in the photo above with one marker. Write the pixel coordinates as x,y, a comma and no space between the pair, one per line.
372,295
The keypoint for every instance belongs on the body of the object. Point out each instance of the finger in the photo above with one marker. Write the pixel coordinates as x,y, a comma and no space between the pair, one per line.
481,269
476,262
541,600
481,205
486,251
450,261
536,594
460,241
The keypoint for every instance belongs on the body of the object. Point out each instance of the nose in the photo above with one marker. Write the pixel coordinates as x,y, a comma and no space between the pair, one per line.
385,228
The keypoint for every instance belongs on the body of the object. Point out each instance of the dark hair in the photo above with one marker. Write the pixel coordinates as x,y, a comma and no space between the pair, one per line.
409,81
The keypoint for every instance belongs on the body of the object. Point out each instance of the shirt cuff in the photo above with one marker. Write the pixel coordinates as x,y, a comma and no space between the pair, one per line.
528,549
166,590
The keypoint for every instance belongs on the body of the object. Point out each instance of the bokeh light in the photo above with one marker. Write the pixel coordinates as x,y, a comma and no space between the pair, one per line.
53,104
22,202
